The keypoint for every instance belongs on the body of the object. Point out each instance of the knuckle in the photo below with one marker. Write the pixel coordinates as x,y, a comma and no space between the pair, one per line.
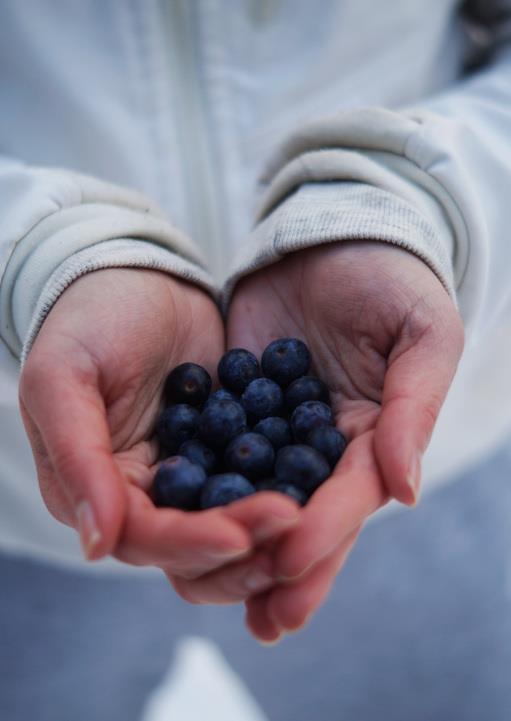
65,461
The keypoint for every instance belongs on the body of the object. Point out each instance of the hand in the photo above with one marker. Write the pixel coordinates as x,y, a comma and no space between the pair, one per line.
386,337
89,395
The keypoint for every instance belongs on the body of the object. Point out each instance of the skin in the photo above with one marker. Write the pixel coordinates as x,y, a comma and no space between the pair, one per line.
385,336
89,395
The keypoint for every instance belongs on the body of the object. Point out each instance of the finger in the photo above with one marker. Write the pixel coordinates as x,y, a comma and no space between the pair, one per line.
290,606
415,387
70,417
265,515
335,510
236,582
259,622
229,585
52,492
138,465
184,543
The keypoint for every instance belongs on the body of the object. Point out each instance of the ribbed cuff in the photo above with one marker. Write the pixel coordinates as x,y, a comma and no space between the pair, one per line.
89,224
122,253
319,213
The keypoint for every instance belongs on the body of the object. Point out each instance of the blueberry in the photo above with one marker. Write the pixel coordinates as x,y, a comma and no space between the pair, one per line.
200,454
301,466
291,490
178,483
306,388
277,430
187,383
250,454
176,425
285,359
224,488
237,368
222,394
307,416
220,421
262,398
328,441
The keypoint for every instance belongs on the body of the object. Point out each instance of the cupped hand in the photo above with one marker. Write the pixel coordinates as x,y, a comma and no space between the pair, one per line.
386,337
89,394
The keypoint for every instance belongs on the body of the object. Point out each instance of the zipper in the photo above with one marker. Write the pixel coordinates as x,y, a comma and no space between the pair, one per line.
196,148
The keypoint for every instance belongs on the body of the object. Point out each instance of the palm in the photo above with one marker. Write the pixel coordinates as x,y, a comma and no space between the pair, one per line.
89,395
349,343
171,325
92,384
372,316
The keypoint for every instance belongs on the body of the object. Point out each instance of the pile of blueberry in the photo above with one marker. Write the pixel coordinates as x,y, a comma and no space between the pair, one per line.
269,427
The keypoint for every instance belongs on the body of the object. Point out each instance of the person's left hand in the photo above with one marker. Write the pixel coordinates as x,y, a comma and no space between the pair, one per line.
386,338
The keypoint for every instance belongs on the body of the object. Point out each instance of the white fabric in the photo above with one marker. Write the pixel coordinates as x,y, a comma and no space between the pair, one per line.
320,212
105,104
55,216
201,684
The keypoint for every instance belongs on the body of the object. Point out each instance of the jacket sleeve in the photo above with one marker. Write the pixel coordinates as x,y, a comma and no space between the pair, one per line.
434,179
58,225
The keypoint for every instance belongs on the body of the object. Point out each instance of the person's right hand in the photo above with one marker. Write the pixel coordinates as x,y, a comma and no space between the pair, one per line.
89,394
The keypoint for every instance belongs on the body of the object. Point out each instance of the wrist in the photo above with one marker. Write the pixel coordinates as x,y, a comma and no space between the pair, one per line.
134,265
319,214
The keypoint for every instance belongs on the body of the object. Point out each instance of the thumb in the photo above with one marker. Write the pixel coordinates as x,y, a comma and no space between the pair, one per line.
415,386
70,416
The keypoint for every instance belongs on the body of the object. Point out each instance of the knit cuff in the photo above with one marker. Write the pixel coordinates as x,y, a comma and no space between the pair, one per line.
319,213
122,253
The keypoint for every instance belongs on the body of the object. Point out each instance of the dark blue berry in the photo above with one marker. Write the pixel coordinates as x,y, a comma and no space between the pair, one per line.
176,425
187,383
301,466
200,454
285,359
237,368
220,421
250,454
328,441
178,483
291,490
222,394
307,416
262,398
306,388
224,488
277,430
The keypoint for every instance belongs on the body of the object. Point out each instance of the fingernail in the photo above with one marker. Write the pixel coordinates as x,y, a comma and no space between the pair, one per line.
272,526
413,477
90,536
257,580
230,554
286,578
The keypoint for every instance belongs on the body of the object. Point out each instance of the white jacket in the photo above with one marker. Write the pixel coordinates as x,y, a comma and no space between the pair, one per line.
325,120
